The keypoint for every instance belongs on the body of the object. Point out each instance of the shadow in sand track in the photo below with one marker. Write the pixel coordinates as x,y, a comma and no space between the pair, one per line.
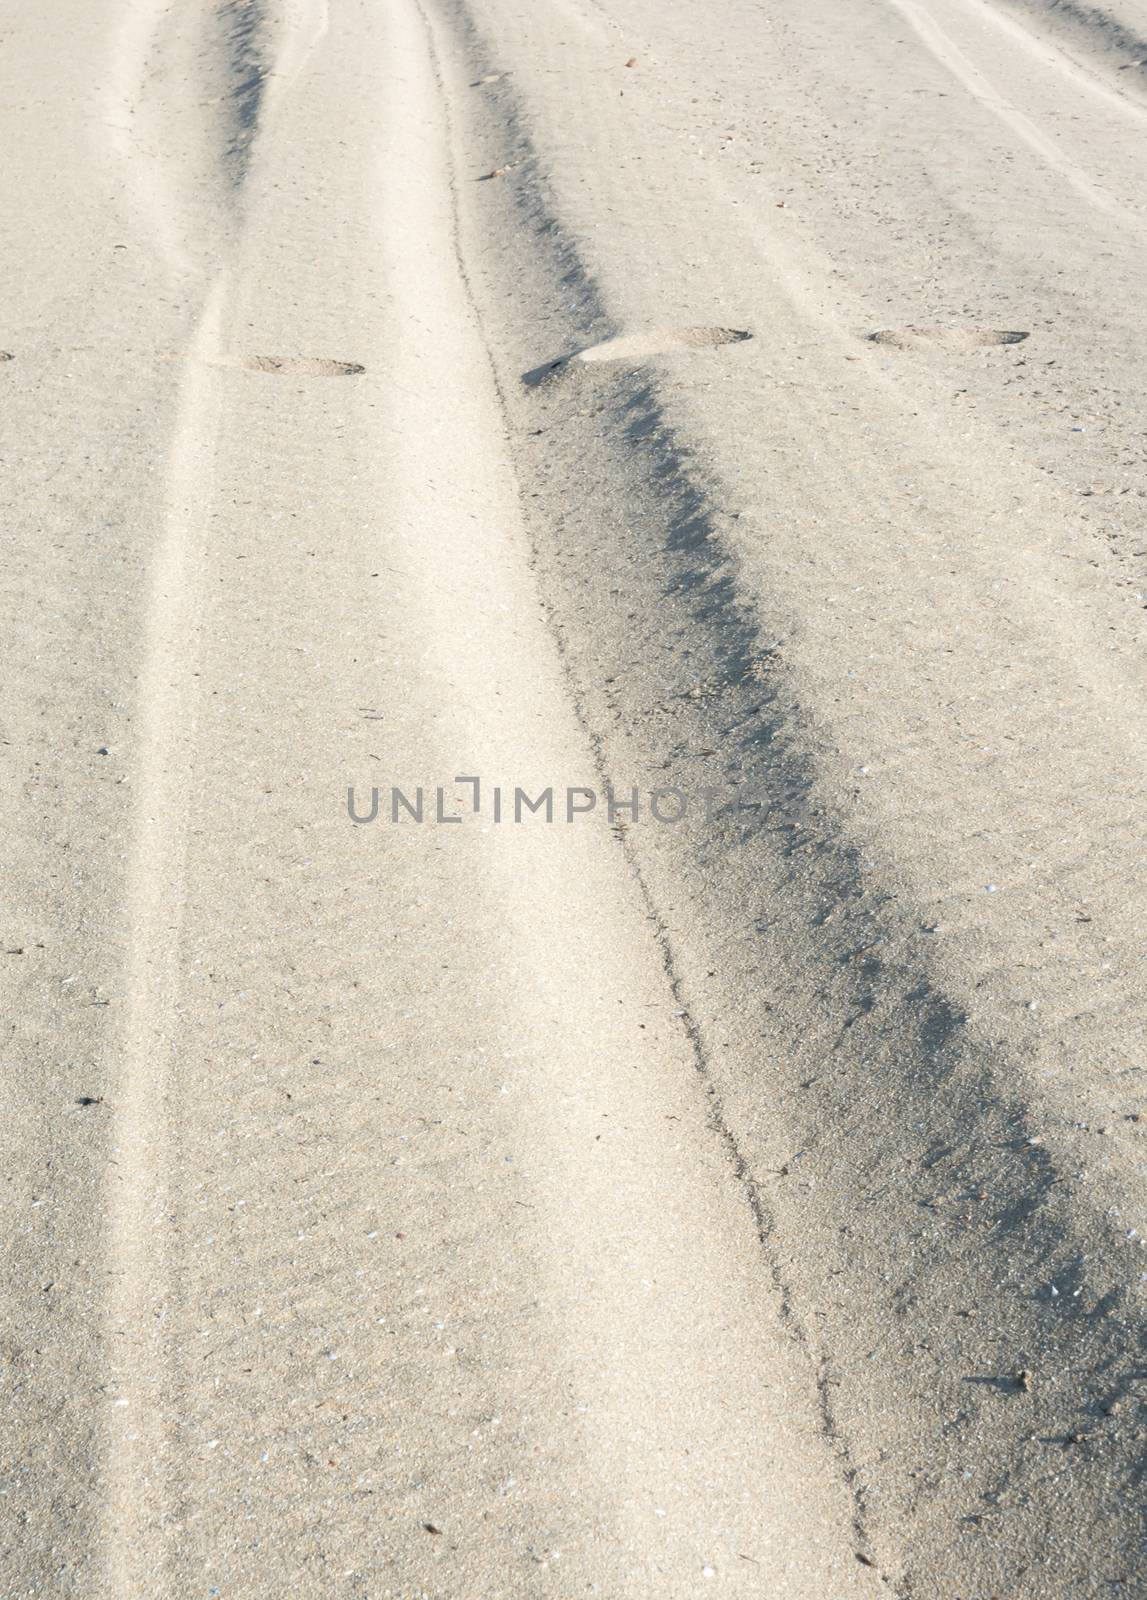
243,28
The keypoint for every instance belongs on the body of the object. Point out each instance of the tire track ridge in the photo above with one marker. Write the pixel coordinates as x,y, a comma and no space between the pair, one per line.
139,1202
764,1222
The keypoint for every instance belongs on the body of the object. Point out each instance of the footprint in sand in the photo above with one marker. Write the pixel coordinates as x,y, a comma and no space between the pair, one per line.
637,347
300,366
946,338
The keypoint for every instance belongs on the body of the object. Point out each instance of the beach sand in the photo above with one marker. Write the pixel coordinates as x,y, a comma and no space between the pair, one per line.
738,401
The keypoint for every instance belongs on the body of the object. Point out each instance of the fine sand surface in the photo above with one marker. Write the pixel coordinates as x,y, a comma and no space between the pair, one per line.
739,396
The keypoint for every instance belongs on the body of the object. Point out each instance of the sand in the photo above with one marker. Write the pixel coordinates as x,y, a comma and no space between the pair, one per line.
480,400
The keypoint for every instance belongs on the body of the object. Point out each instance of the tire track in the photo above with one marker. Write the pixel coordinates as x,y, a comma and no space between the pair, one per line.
886,1071
261,69
981,87
1050,56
